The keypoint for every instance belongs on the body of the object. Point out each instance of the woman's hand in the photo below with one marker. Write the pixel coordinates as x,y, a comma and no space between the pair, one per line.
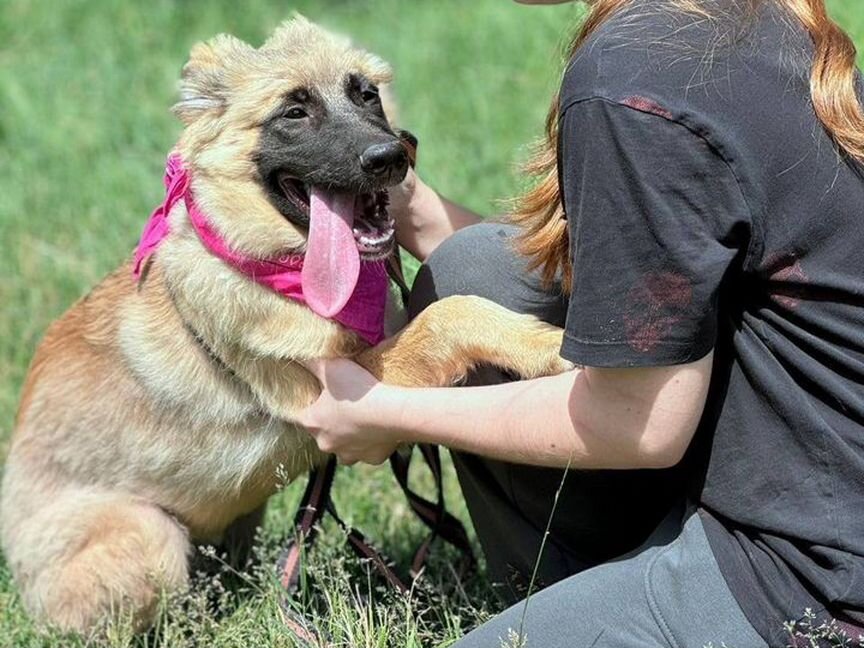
342,419
403,197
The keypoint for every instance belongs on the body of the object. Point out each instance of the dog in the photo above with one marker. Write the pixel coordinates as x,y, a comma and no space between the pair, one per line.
158,410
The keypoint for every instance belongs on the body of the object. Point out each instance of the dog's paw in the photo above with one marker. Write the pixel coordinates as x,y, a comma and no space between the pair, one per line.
541,353
557,365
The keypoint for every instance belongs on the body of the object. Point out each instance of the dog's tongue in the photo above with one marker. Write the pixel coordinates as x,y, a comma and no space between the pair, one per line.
332,263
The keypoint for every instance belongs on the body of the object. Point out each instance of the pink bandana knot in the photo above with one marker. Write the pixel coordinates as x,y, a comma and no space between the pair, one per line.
363,313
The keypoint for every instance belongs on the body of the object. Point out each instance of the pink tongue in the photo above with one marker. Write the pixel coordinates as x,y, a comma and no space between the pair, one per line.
332,262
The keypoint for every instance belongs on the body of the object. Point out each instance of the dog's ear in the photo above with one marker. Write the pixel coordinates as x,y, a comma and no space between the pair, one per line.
204,80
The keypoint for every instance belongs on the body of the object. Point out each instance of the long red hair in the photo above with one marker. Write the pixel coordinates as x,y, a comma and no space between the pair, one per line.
833,88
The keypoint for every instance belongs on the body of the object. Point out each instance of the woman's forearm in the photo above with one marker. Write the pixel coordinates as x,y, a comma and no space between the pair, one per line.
641,418
522,422
528,422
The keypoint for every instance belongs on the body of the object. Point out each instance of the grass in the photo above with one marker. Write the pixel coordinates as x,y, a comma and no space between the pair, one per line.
84,90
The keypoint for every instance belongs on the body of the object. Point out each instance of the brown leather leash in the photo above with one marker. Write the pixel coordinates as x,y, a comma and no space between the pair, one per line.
440,523
317,501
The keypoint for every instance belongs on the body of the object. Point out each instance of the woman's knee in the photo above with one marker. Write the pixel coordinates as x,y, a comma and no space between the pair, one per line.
481,260
461,264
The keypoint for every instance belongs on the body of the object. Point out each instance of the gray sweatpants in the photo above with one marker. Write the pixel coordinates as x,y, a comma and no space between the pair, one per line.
666,591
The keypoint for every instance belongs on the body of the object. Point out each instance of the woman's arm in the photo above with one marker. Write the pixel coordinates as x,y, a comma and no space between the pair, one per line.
423,218
593,418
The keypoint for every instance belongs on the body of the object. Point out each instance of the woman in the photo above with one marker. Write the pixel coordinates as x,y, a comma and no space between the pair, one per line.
707,158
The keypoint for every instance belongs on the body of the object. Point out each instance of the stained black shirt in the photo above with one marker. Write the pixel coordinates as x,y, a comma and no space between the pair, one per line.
709,209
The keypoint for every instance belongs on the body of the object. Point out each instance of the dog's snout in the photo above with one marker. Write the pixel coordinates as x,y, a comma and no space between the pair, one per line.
384,158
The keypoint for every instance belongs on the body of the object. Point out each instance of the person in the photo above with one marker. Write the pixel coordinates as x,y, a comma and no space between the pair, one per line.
707,456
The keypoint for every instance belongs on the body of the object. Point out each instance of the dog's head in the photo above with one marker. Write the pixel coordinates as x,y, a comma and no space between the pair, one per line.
267,127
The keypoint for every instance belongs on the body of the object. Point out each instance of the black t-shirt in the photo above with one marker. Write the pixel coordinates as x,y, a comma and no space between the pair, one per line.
709,209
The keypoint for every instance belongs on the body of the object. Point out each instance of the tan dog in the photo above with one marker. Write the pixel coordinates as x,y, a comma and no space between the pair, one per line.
156,413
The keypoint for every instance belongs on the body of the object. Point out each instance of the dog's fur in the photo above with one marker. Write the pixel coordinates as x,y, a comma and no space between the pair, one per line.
157,414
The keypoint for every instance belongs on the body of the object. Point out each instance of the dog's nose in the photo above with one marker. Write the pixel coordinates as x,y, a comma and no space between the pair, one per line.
384,158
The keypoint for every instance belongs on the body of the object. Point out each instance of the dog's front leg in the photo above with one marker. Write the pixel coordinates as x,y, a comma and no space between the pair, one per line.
269,350
438,348
454,335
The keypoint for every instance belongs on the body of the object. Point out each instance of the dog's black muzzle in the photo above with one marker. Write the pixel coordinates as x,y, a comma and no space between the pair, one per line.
386,161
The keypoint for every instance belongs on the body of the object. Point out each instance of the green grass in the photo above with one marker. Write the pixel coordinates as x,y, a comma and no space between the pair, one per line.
85,87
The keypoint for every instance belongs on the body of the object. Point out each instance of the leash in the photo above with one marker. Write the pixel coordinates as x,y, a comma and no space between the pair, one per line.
317,501
440,523
309,513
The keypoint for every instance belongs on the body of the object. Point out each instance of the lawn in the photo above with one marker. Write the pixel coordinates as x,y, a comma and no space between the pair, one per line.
85,87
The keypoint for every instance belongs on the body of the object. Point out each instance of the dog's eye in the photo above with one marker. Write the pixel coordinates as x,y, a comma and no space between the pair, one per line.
296,113
370,95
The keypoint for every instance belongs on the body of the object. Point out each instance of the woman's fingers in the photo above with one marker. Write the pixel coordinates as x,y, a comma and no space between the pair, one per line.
338,420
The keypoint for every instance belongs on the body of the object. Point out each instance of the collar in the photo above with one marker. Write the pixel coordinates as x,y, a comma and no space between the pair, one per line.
364,311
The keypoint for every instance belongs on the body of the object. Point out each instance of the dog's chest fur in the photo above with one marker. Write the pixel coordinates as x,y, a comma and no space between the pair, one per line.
183,390
235,403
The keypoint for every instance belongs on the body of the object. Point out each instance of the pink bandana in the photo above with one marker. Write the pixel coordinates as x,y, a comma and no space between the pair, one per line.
364,311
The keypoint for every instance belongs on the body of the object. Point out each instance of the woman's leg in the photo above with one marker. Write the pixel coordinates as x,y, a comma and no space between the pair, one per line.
601,514
669,594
